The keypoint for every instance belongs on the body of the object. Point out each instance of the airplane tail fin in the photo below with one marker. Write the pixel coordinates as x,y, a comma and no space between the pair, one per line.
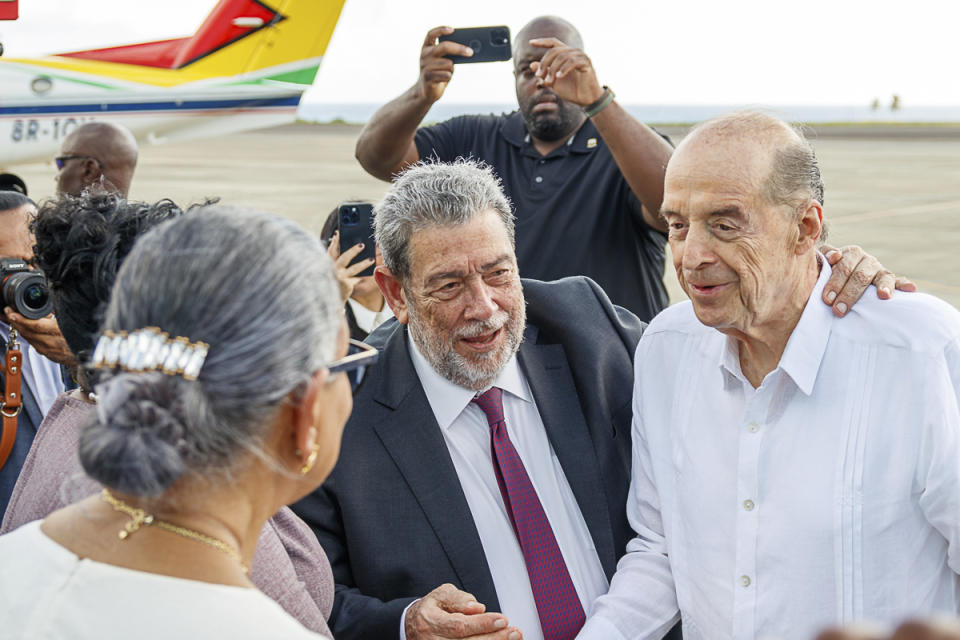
280,40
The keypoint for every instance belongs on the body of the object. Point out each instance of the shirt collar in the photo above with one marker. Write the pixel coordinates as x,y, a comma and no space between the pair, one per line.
583,140
365,318
5,336
448,400
807,343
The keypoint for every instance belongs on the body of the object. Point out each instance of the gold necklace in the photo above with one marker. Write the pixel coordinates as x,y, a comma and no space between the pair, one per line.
140,517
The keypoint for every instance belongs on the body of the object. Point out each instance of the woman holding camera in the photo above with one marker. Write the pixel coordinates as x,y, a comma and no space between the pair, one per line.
221,397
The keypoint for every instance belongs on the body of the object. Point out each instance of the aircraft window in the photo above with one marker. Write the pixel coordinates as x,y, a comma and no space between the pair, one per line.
41,84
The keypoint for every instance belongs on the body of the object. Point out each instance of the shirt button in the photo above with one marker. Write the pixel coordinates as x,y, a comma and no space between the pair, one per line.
748,505
753,427
745,581
538,179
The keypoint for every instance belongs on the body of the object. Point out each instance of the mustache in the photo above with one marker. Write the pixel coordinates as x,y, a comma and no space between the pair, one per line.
544,95
480,327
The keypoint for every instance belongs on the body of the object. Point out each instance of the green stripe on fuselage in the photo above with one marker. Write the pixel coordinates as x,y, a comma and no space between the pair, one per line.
300,76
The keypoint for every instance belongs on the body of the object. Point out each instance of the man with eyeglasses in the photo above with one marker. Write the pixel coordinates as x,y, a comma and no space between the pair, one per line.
100,154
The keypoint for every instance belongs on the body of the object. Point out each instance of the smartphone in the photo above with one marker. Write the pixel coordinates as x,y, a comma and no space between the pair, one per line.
356,226
489,44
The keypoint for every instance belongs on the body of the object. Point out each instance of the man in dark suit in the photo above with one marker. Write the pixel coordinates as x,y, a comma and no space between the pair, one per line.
40,342
489,448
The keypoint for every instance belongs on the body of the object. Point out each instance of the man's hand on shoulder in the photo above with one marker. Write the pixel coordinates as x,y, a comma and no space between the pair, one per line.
43,335
568,71
436,69
447,612
853,271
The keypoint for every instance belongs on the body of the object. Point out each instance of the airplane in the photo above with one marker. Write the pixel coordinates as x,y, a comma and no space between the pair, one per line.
246,67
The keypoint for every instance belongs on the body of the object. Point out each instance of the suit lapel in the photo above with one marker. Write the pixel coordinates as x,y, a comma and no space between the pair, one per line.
412,437
557,401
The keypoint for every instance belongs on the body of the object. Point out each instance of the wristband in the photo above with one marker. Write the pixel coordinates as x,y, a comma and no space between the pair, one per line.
601,104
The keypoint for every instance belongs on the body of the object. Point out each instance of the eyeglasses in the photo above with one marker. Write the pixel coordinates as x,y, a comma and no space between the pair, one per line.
61,161
354,364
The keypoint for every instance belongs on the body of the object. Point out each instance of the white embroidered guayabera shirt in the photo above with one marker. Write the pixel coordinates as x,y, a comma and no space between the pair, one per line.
830,494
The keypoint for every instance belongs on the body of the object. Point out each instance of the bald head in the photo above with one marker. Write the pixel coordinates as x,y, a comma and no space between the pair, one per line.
742,200
761,149
548,27
552,123
98,154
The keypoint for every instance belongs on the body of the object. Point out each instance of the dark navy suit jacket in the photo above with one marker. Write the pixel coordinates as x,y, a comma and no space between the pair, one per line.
393,518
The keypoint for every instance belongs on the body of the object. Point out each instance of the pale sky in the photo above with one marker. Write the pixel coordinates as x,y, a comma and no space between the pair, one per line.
829,52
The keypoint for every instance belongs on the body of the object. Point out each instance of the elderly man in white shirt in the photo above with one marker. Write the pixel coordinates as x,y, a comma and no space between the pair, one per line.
791,470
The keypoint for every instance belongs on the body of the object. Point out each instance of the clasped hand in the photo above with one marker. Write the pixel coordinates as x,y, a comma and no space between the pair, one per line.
447,612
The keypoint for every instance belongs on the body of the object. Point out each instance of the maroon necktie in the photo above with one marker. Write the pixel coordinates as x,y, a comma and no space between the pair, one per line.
559,608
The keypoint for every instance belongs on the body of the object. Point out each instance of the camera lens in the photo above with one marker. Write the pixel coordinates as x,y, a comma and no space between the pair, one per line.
28,294
35,296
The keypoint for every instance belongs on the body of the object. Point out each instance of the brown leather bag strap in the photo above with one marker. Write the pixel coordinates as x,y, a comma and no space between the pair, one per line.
11,405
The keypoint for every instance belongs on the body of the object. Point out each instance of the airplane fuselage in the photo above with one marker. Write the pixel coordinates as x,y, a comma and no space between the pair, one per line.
38,110
245,67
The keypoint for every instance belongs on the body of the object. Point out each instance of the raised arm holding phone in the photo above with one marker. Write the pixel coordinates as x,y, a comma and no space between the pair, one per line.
584,176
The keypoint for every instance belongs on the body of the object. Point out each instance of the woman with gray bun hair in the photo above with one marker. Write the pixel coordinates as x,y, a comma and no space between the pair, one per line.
221,396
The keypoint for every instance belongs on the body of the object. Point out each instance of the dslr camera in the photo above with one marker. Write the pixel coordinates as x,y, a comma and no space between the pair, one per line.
23,289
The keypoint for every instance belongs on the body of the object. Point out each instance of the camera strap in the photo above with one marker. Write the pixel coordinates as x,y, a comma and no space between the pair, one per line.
11,405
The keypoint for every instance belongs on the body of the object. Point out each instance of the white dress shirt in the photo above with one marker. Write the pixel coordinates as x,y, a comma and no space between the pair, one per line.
467,434
369,320
41,375
828,495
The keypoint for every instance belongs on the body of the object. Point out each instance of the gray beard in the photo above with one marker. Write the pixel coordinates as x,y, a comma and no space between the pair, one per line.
476,375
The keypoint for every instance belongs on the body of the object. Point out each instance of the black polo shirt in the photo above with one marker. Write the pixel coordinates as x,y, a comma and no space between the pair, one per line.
575,213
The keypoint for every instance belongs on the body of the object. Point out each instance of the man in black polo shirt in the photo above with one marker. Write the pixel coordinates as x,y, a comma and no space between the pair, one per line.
576,182
584,176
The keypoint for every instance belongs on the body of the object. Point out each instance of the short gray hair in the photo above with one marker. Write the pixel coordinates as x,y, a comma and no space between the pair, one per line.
794,176
435,194
261,292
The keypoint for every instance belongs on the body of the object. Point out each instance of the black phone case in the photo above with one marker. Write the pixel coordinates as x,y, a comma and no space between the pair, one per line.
489,44
356,226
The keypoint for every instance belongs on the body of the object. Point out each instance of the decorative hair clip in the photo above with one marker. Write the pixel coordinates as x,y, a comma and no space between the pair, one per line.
149,349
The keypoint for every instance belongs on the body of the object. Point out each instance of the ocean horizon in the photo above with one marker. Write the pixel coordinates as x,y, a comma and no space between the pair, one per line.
360,113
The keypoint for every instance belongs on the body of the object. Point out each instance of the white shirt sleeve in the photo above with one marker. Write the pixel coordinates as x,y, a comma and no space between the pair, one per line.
642,601
940,451
403,619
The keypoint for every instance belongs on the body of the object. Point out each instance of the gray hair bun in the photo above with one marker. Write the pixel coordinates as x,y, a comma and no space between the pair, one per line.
136,443
262,293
